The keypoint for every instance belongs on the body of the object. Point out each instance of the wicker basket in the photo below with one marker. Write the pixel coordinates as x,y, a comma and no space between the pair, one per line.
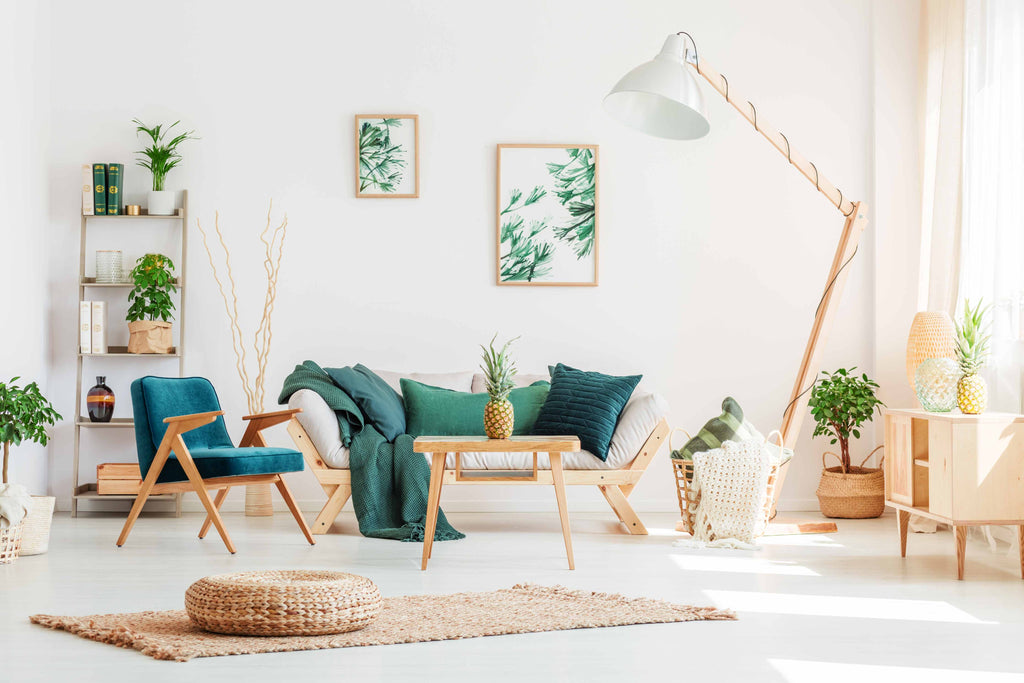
858,493
688,500
35,539
283,603
10,543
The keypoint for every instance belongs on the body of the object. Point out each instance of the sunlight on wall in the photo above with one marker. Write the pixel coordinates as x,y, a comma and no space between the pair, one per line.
833,606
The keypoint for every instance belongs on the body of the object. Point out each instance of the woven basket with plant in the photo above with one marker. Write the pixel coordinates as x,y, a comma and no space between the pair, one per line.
841,402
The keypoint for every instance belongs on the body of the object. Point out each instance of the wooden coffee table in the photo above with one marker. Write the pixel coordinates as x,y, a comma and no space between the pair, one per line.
440,446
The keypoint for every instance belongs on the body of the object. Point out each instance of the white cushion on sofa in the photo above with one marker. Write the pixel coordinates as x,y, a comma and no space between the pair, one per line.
480,386
637,421
456,381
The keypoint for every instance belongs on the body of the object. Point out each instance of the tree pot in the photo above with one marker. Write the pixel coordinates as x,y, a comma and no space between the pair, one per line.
161,202
857,493
150,336
35,537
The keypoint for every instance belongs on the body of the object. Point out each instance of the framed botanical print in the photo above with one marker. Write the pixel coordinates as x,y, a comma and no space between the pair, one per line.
547,215
388,156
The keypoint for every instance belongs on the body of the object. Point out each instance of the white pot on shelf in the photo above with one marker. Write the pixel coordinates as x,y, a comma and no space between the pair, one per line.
161,202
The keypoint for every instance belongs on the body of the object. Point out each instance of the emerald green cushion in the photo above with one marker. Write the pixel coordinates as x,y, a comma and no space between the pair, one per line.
586,404
379,403
443,412
729,426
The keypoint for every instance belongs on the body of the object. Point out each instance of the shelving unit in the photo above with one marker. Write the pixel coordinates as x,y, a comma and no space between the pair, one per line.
87,491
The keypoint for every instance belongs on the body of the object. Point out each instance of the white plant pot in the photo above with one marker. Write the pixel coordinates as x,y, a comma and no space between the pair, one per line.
161,202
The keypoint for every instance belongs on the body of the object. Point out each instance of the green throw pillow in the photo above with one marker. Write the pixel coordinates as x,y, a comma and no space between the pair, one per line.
586,404
443,412
729,426
381,404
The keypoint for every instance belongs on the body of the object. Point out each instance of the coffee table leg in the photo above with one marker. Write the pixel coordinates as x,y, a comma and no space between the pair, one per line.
563,511
433,503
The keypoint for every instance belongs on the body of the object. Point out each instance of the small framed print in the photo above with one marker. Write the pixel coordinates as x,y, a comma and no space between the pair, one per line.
388,156
547,215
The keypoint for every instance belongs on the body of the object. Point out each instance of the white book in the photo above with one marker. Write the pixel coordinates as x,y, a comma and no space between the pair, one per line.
99,326
85,326
87,198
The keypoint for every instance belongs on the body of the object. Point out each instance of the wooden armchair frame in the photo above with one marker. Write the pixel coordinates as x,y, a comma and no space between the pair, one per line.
173,441
615,485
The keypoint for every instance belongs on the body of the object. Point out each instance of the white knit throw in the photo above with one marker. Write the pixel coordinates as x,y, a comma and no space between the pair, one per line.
733,485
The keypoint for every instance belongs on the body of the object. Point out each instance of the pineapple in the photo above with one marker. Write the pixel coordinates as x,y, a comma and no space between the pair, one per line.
499,418
971,351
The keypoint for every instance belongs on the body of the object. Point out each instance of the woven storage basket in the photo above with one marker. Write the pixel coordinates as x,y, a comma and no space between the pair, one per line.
688,500
858,493
35,539
283,603
10,543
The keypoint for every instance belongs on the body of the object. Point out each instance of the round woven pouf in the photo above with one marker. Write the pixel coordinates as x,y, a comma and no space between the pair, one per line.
283,603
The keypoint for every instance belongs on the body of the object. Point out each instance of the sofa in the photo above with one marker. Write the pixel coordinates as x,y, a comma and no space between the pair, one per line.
641,430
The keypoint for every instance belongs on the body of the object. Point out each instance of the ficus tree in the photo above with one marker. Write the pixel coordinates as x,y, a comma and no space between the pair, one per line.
24,415
841,402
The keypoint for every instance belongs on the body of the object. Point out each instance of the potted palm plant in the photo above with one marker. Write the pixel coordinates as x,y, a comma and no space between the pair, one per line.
24,415
150,305
841,402
160,157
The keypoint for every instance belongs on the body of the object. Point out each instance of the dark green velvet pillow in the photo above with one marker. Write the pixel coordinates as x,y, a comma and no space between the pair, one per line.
381,404
443,412
585,404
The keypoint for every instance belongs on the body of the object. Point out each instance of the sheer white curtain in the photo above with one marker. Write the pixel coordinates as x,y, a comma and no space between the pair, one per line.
991,258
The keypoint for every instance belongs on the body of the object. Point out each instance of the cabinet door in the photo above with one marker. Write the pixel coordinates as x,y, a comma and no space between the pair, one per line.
899,459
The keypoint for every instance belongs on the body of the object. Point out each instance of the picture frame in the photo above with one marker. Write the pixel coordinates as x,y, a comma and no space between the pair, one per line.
387,156
547,215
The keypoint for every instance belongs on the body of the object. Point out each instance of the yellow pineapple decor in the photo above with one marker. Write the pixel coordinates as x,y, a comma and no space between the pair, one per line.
499,418
971,351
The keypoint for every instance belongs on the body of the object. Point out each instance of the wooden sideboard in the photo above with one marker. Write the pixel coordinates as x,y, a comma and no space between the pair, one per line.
961,470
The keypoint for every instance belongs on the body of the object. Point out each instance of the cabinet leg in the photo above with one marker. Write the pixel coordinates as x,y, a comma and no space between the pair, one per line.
903,525
1020,548
960,532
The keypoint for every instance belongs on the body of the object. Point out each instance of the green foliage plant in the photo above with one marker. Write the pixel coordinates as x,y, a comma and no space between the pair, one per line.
160,156
381,161
150,298
24,416
499,370
576,189
840,403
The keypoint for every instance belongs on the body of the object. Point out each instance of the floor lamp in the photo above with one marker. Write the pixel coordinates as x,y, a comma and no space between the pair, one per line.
662,98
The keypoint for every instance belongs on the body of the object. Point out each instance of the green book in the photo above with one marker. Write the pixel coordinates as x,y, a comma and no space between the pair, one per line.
99,189
115,183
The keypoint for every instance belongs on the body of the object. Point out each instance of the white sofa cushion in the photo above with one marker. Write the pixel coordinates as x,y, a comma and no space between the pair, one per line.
480,386
456,381
635,424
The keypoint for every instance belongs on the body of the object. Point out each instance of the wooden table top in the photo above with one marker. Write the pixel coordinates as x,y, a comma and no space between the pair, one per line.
481,444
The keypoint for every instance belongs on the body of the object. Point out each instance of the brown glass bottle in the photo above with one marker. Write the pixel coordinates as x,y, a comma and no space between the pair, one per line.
100,401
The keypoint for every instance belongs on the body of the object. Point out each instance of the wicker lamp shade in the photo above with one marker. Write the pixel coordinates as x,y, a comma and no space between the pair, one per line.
932,335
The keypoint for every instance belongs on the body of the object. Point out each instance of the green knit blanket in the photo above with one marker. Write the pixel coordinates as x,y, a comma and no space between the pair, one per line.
390,481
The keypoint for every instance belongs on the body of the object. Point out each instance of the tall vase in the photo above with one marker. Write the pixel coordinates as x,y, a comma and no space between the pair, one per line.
932,335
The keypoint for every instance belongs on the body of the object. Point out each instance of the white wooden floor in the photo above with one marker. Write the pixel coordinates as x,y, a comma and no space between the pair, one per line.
813,608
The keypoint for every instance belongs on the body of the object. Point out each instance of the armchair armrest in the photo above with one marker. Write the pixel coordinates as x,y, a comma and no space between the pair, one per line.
279,413
184,423
261,421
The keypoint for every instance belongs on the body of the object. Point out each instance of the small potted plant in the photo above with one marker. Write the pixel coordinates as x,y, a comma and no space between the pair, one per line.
24,415
160,157
150,305
841,402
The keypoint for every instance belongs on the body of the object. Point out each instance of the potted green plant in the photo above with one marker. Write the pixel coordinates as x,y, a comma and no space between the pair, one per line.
160,157
24,415
150,305
841,403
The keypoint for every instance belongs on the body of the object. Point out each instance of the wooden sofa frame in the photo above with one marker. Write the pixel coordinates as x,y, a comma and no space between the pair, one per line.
615,485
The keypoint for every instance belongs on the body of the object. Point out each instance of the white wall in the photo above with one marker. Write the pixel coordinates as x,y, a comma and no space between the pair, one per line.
24,235
713,254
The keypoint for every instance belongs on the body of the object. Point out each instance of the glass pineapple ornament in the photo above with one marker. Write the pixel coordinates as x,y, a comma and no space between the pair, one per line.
498,368
971,352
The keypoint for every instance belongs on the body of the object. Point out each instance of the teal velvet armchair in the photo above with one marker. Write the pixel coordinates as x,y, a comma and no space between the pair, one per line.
183,445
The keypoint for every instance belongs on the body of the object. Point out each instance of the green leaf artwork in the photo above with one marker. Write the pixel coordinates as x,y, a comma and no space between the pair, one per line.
576,189
547,214
381,160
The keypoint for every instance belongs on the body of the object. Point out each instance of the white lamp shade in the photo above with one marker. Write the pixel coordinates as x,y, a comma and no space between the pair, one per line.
661,97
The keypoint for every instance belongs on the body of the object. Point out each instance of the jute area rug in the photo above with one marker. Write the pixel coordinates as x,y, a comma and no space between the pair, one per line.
524,608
